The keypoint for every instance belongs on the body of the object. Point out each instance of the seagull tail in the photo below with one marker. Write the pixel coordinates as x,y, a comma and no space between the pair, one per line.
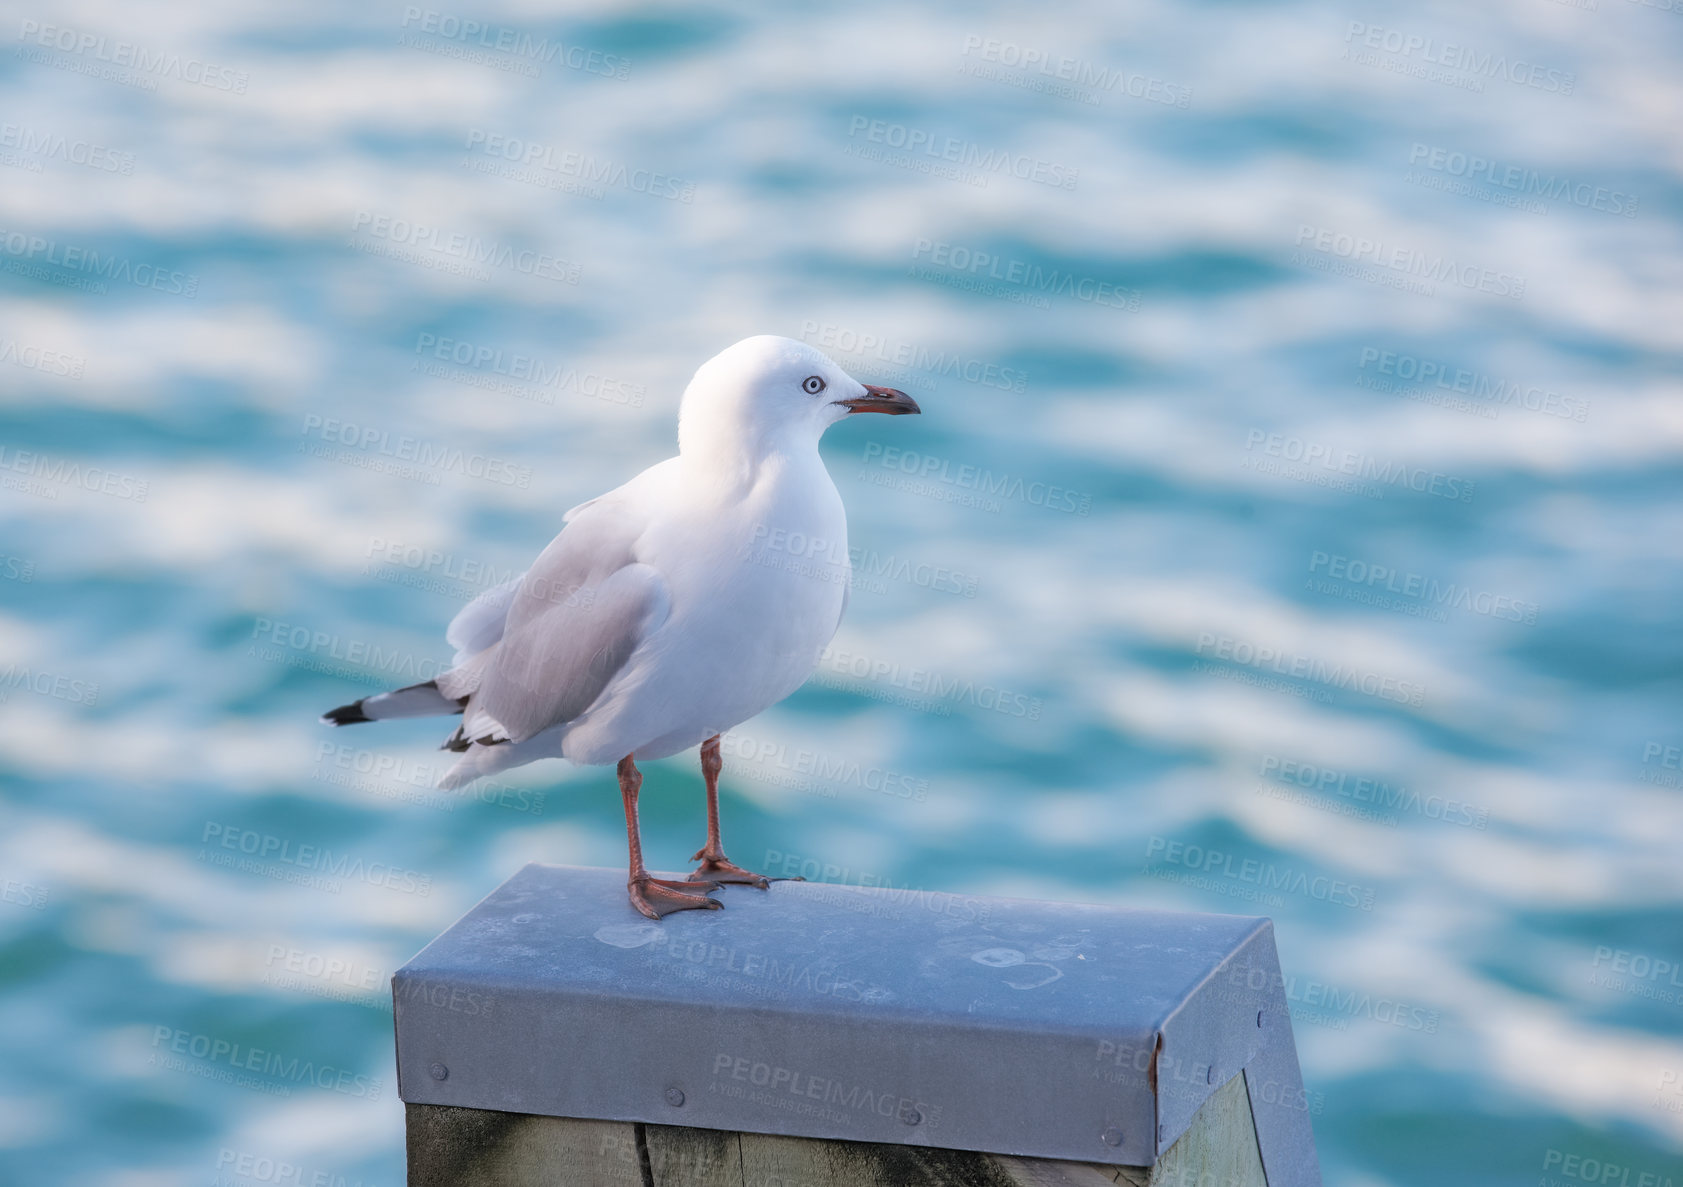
418,700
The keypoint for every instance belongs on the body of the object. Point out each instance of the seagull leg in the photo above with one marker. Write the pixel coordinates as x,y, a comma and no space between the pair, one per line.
655,897
715,866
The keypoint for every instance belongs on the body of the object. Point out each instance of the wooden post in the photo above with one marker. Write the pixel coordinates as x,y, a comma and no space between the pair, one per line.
823,1036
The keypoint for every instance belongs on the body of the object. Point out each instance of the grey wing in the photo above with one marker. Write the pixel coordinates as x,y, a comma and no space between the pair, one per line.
575,619
480,623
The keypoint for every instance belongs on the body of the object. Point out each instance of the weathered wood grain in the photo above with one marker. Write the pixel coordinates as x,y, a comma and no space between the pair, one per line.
702,1157
456,1147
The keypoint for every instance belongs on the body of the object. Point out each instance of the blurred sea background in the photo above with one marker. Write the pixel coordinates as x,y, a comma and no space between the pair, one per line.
1292,527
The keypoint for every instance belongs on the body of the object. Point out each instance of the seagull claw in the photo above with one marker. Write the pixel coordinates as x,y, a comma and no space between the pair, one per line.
658,897
722,869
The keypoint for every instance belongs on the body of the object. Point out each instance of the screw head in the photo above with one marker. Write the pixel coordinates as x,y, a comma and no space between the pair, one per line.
1112,1136
911,1116
439,1072
675,1097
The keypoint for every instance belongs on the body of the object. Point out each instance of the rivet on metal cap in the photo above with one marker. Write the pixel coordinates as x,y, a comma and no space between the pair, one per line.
675,1097
439,1072
911,1117
1112,1136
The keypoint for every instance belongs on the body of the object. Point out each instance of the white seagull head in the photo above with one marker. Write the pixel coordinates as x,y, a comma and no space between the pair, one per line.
768,393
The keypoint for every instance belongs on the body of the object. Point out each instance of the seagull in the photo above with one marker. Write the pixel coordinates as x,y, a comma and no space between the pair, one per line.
669,610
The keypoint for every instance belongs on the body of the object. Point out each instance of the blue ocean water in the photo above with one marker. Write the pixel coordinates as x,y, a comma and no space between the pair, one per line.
1293,526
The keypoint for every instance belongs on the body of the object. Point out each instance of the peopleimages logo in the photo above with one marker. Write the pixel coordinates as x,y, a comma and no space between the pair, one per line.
959,151
927,468
1364,790
1638,970
1323,1003
587,169
1082,75
1409,262
1575,1168
514,42
1524,182
1311,668
433,563
930,684
278,638
34,358
543,380
1263,875
1417,586
799,763
267,847
241,1168
1024,274
47,684
69,472
55,146
134,57
381,445
1480,64
1399,367
237,1057
297,963
470,249
833,560
805,1087
93,267
1363,466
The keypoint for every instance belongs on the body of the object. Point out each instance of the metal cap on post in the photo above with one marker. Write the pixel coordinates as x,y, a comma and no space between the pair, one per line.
914,1018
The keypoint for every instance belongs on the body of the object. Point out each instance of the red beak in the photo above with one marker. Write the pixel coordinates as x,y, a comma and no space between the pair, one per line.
882,399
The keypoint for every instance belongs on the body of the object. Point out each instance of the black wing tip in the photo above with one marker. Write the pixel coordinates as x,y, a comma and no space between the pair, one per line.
350,714
459,742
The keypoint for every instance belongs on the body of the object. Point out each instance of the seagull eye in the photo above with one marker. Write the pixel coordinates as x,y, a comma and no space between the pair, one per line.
812,385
